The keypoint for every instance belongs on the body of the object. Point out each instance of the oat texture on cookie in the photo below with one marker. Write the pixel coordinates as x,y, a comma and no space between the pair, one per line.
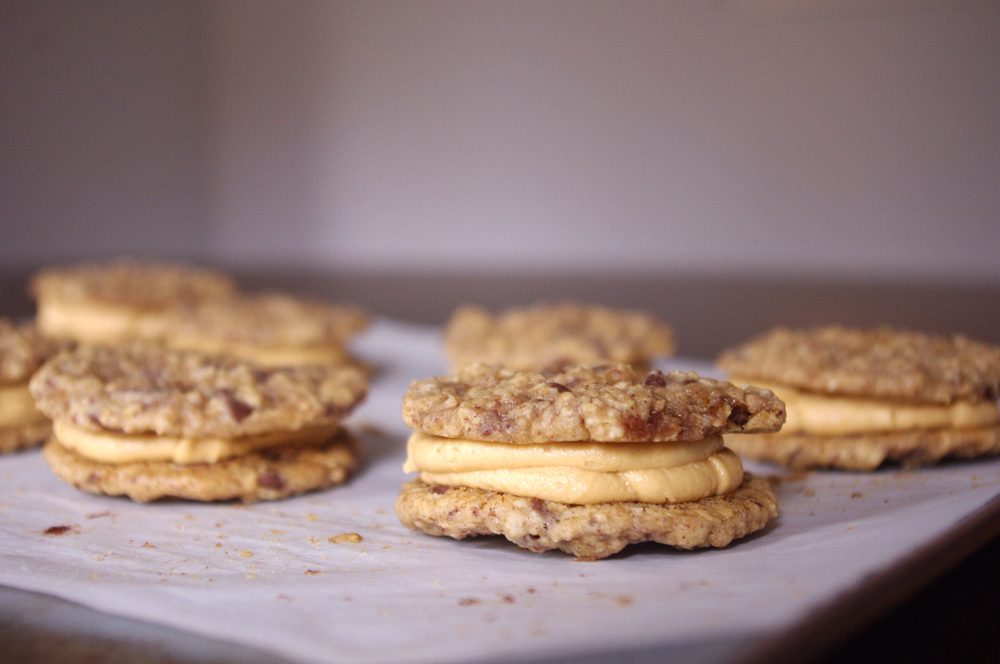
857,399
587,459
208,427
23,349
268,328
556,334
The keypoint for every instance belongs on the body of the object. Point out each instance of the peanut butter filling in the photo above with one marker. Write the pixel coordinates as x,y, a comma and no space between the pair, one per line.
580,473
94,323
836,415
111,447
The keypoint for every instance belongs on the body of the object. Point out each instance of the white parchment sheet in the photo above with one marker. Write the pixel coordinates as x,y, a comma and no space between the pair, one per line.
273,575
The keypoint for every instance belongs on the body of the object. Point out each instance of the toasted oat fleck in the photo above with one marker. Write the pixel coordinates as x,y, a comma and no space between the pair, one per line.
245,554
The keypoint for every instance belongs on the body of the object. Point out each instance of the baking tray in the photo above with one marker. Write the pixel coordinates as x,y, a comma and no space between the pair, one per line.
275,578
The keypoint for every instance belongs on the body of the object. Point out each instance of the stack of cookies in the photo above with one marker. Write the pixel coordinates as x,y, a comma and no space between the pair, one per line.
555,335
183,386
141,421
859,398
190,308
22,351
587,459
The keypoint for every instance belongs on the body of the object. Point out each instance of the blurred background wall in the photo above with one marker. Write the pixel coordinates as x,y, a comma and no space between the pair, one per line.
820,137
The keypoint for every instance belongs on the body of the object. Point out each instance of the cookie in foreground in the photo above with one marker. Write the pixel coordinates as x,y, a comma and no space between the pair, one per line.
150,423
587,460
860,398
119,300
554,335
22,351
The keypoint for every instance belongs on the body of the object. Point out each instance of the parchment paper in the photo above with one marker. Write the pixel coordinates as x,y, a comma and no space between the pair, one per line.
275,576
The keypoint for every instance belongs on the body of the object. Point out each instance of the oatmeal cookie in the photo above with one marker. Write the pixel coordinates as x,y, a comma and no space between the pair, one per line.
265,475
147,422
142,388
555,335
269,328
607,403
544,458
910,449
881,363
118,300
22,351
859,398
589,532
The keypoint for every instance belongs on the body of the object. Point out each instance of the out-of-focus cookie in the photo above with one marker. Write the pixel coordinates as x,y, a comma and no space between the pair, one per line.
119,300
148,423
22,351
270,329
586,460
555,335
859,398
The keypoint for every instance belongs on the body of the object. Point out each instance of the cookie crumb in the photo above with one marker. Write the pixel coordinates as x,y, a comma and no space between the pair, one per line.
345,538
245,554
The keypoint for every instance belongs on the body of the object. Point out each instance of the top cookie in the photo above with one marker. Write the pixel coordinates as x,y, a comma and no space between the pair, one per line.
269,319
881,363
129,283
613,403
554,335
140,388
23,350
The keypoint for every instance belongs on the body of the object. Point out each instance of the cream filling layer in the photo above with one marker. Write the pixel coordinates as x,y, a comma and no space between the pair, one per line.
94,323
835,415
110,447
17,407
270,356
580,473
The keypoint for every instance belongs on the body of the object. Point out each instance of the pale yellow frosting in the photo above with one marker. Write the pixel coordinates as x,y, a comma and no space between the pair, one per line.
94,323
836,415
580,473
110,447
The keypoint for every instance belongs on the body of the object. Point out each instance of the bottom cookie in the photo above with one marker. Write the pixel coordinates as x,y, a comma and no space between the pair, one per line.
17,438
264,475
867,451
589,532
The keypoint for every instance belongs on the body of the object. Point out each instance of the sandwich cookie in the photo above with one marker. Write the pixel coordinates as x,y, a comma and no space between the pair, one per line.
107,303
859,398
22,351
587,460
271,329
554,335
148,423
